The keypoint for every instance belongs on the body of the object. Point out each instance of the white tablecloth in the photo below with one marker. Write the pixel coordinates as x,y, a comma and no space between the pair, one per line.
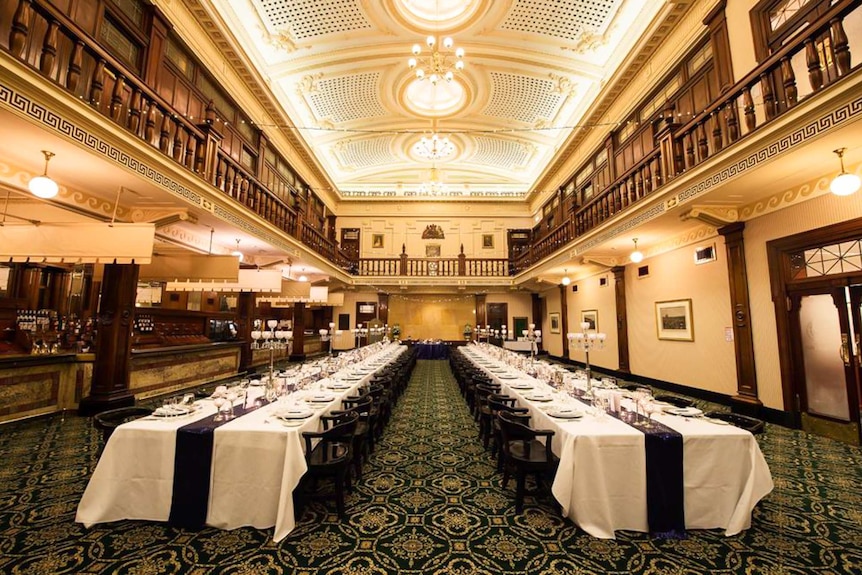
257,463
601,481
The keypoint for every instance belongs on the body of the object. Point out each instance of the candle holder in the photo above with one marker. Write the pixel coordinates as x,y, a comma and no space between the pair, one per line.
533,335
587,341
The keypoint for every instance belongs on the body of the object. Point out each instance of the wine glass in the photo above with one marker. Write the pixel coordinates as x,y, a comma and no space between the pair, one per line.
231,398
219,401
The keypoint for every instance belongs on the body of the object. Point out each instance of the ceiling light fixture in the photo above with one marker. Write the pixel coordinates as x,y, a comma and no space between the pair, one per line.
844,183
43,186
236,252
566,279
437,65
302,277
636,256
433,187
434,147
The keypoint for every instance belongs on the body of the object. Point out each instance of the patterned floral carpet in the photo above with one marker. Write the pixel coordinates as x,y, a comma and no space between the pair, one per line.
430,502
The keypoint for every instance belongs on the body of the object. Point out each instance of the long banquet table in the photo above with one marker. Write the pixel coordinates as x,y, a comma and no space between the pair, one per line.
256,462
601,483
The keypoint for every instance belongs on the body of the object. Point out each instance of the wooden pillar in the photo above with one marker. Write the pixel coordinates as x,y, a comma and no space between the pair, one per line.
383,308
746,400
298,353
481,311
622,318
564,319
537,317
245,306
112,367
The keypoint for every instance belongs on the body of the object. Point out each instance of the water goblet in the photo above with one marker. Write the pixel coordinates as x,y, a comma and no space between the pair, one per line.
219,402
231,398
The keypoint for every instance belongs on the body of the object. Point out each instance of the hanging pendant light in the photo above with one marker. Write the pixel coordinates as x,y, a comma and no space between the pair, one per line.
236,252
844,183
43,186
636,256
566,279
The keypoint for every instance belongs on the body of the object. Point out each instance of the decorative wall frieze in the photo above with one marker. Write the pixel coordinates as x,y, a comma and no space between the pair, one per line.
715,216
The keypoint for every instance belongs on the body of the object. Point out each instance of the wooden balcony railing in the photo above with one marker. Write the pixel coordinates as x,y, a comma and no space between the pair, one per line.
460,266
760,97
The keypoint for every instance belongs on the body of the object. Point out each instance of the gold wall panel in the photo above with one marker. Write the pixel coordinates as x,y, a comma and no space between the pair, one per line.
432,317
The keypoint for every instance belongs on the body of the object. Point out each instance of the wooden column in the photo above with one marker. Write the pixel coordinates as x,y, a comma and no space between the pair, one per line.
298,353
564,319
111,369
481,311
622,318
245,306
746,400
383,307
537,317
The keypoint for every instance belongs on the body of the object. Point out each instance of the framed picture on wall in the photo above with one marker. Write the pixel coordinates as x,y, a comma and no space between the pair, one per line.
673,320
432,251
591,317
376,240
488,241
555,322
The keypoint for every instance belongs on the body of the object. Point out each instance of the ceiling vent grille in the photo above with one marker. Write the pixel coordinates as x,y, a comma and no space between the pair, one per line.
347,98
498,152
366,153
522,98
312,18
560,19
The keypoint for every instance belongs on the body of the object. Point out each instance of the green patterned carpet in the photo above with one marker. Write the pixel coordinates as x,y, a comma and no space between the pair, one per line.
429,502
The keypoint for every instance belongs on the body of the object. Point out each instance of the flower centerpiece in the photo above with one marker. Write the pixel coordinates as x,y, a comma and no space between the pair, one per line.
468,331
395,331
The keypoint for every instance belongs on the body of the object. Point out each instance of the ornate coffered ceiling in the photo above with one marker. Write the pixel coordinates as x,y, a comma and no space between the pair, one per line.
339,69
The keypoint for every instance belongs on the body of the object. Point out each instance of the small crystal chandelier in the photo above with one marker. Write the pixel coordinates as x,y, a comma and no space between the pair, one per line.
434,147
437,65
433,187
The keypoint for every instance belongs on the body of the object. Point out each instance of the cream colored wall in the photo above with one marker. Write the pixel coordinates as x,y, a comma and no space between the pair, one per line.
708,362
591,295
821,211
432,316
346,340
458,231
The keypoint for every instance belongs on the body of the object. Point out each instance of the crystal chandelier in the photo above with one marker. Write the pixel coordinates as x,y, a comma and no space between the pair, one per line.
434,147
433,187
437,65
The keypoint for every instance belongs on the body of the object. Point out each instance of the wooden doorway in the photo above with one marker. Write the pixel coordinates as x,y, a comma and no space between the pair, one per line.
817,291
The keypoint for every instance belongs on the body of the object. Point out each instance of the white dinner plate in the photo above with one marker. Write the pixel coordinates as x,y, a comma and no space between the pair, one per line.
521,386
172,411
320,398
684,411
541,398
565,413
293,415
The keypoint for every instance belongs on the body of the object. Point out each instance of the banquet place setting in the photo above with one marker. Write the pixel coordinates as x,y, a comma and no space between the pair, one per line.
193,460
621,459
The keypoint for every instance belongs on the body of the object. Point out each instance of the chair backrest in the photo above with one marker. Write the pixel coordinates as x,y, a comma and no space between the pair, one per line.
361,404
513,429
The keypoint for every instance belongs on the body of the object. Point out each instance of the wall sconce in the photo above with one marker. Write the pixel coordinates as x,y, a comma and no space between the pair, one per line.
636,256
43,186
844,183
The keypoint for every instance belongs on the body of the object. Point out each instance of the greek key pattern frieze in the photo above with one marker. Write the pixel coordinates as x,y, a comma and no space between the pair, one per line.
805,133
64,127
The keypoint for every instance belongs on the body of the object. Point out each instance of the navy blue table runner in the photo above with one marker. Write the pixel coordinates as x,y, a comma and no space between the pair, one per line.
664,474
192,467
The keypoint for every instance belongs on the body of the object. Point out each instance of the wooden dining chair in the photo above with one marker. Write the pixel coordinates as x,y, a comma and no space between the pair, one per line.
524,454
329,454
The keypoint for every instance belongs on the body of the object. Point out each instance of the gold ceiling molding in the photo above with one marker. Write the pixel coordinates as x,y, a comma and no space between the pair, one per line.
587,42
687,238
570,154
807,190
604,261
162,218
187,238
715,216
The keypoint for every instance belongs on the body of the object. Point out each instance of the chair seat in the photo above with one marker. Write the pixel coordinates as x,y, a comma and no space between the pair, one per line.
532,454
328,455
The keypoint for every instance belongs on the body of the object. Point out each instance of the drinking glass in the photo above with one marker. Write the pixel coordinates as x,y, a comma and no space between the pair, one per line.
219,402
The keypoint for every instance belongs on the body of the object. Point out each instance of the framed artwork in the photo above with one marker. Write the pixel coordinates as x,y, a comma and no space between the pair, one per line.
555,322
488,241
376,241
673,320
590,316
432,251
